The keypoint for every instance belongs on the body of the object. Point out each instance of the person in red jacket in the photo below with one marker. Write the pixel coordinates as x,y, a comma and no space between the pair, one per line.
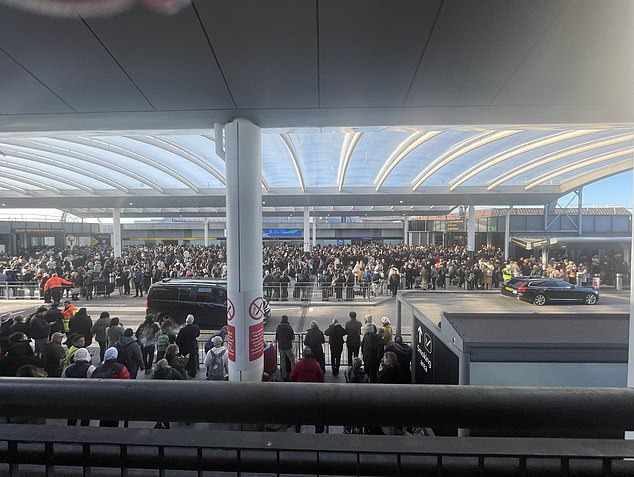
308,370
54,286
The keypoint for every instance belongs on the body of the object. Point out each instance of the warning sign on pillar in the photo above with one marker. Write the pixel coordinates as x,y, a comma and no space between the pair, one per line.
256,341
231,310
256,308
231,342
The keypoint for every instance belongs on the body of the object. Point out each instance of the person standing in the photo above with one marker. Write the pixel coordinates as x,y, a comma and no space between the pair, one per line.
81,324
335,334
307,370
146,335
99,331
114,332
284,335
164,371
110,369
372,354
188,346
314,339
216,361
40,329
388,336
55,285
52,354
353,332
130,353
137,278
403,354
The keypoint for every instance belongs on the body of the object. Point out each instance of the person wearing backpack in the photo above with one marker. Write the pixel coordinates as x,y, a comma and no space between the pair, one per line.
130,353
216,361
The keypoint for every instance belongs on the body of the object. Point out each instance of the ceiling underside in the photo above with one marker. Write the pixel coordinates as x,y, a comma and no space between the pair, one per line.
362,103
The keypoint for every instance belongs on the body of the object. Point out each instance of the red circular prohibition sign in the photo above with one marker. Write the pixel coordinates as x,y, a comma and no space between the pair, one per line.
256,308
231,310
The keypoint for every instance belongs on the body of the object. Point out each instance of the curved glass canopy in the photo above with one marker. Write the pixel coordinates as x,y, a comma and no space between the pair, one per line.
331,162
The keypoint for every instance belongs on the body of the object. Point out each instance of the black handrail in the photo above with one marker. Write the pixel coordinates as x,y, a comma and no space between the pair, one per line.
538,409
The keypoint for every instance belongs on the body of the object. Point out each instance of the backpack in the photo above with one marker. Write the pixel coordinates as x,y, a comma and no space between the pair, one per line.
216,369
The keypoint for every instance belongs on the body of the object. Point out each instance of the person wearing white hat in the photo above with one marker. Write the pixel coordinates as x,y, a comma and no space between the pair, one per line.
388,338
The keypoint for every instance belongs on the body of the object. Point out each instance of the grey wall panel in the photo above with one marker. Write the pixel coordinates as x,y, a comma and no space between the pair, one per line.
169,58
21,93
267,50
475,47
369,50
64,55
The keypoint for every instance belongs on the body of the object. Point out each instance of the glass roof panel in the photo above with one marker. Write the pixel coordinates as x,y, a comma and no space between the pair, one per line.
416,161
319,156
369,155
202,146
277,165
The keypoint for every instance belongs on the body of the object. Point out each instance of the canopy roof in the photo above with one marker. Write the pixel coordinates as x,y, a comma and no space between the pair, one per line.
394,106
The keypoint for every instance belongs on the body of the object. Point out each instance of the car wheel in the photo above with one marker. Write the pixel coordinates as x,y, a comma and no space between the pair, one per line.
590,299
539,300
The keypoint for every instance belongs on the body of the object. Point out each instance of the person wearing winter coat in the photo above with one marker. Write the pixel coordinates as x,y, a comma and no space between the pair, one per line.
81,324
81,368
6,321
146,335
175,360
367,326
98,330
130,353
388,335
19,353
284,335
74,342
403,354
372,346
314,340
114,332
39,329
335,333
308,370
52,354
164,371
353,332
110,369
188,346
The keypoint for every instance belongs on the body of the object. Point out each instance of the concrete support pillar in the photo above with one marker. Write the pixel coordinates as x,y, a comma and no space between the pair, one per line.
306,230
471,230
116,232
206,232
314,232
507,233
406,231
580,212
245,338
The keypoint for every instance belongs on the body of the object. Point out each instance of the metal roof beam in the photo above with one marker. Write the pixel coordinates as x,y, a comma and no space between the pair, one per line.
292,151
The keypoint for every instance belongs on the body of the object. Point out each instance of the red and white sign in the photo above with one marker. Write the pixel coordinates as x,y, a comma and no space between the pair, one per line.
231,310
256,341
231,342
256,308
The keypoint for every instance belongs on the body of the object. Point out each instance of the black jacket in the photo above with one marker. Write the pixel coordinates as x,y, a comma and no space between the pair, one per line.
353,330
284,336
314,339
81,324
39,327
18,354
186,339
335,335
52,353
372,348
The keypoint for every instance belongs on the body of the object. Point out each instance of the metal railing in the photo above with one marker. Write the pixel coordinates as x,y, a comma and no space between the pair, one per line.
19,291
504,410
314,291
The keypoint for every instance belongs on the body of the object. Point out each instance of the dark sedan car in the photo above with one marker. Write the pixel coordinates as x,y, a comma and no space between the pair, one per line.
541,291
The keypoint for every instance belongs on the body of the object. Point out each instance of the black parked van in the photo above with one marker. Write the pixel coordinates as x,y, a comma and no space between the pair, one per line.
206,299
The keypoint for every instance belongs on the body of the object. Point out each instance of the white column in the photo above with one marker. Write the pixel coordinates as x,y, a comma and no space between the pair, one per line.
245,340
545,256
206,232
306,230
507,233
471,229
314,232
116,232
405,231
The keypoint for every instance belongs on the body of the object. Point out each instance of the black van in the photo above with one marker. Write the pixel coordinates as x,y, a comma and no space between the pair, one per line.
206,299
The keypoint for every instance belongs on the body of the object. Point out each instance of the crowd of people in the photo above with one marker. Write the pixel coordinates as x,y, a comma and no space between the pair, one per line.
371,269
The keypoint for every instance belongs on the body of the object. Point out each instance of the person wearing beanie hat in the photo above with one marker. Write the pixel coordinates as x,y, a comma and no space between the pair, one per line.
52,354
188,346
76,342
80,369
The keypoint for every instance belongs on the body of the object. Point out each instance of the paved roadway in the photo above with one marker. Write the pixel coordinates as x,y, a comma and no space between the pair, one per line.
131,310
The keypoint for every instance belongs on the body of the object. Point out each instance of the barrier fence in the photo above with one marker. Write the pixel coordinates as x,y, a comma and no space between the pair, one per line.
37,450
